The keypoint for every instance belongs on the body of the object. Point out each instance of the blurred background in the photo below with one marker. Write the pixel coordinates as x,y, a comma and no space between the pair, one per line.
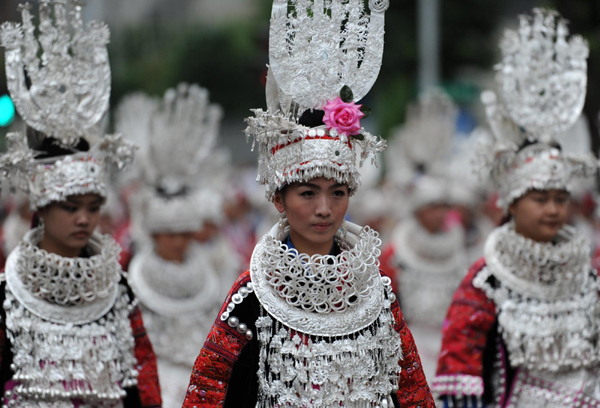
222,45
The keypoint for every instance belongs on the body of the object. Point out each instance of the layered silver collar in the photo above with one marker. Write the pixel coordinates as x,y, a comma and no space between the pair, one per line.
320,295
65,290
169,288
418,249
541,270
546,297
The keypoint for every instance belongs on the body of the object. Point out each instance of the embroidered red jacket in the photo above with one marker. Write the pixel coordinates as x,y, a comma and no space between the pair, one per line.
224,374
468,325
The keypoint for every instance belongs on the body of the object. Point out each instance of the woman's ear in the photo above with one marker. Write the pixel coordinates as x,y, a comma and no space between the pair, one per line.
41,213
511,209
278,202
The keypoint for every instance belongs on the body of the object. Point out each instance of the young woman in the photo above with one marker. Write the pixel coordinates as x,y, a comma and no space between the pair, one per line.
426,261
71,333
523,329
313,323
180,282
425,257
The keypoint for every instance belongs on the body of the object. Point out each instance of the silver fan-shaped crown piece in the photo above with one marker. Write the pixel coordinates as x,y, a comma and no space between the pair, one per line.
425,140
542,83
63,92
318,46
543,74
177,133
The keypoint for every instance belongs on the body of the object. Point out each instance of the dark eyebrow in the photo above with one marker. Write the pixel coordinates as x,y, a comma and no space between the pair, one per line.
74,200
309,185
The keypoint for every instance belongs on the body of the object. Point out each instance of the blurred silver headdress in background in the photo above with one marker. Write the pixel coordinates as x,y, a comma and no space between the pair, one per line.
417,158
542,83
180,169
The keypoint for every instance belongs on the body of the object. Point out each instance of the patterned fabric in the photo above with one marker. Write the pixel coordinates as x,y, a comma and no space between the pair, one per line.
212,373
388,265
413,390
213,367
148,385
466,329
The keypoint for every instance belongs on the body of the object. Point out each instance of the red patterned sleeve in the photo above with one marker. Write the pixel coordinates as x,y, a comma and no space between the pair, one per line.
148,385
466,328
413,390
213,367
388,265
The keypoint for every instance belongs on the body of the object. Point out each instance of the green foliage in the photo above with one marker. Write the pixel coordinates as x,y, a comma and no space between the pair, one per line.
346,94
468,38
366,110
153,58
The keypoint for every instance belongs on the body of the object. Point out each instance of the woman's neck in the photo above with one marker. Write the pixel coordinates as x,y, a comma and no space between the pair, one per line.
304,246
53,247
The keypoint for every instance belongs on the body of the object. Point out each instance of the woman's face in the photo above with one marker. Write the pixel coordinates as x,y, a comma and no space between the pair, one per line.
172,246
315,211
432,217
69,225
539,215
209,231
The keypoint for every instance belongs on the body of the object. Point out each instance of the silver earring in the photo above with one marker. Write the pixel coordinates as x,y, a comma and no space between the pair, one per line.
283,226
41,224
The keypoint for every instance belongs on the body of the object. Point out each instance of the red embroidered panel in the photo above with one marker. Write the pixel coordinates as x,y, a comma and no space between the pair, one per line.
470,318
148,385
213,367
388,265
413,390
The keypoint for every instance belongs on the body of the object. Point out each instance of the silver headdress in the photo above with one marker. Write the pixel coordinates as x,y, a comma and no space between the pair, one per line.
542,82
62,94
418,155
324,56
178,136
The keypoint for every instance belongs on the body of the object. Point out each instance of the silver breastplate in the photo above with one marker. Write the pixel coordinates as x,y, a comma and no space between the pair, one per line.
55,364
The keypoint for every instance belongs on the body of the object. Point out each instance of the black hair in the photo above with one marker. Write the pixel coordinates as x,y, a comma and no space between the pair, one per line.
50,147
530,142
312,118
164,193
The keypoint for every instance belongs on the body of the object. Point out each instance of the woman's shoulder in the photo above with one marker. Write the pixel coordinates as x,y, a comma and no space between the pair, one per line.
243,279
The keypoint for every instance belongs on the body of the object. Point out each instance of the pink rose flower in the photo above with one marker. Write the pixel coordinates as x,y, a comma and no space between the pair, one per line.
343,117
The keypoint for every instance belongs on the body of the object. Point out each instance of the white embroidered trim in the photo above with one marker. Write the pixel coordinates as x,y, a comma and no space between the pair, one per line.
55,363
459,384
64,290
320,295
549,314
557,390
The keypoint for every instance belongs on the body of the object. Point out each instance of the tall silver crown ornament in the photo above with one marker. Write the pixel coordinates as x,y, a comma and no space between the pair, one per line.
67,319
324,57
545,294
542,83
177,135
